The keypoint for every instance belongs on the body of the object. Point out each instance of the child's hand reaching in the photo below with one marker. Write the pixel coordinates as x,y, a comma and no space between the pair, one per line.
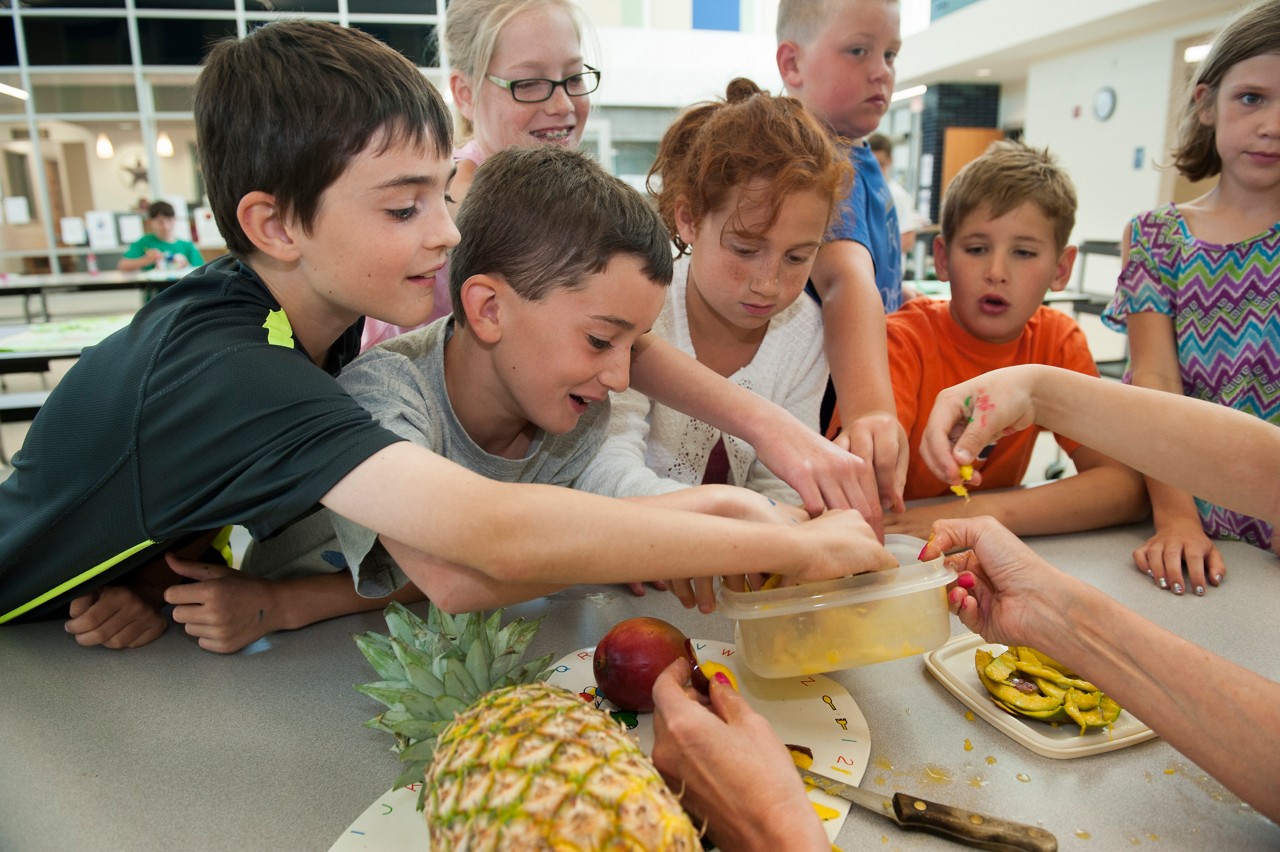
880,438
115,617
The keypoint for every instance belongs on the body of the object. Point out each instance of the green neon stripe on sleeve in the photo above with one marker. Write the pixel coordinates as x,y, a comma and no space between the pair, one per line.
75,581
279,331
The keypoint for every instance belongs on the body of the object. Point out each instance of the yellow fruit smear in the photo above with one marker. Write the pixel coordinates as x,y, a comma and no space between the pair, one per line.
966,473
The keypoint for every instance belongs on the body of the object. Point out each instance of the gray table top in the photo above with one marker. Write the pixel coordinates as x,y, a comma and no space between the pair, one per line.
171,747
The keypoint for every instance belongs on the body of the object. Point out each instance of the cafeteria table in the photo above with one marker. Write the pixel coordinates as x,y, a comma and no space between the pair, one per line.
42,284
171,747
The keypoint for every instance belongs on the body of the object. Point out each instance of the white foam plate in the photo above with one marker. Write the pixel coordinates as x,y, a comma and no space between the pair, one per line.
952,665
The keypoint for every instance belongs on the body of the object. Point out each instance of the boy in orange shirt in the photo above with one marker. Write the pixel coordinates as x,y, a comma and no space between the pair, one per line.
1006,219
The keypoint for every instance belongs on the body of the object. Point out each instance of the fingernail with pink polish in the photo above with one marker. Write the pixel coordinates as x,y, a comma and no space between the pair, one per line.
723,679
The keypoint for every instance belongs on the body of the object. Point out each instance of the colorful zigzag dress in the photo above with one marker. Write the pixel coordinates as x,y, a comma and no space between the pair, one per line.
1224,301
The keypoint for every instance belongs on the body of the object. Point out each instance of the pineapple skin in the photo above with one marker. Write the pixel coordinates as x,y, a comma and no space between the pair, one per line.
535,767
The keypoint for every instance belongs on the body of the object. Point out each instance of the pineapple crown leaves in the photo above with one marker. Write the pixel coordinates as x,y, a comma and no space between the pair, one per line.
431,670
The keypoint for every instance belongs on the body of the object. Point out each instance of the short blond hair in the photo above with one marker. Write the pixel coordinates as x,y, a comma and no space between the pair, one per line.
1009,175
801,20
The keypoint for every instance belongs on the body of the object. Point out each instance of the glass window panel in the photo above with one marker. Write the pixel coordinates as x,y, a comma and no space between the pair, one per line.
97,97
76,41
8,44
200,5
173,97
291,7
181,41
416,41
68,4
391,7
11,104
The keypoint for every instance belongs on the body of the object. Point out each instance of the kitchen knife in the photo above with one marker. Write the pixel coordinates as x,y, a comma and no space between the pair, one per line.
967,827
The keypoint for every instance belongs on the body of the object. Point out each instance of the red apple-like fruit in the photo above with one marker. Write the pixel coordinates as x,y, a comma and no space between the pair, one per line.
631,656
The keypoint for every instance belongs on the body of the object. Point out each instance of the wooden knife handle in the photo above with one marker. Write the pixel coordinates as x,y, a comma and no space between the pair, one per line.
969,827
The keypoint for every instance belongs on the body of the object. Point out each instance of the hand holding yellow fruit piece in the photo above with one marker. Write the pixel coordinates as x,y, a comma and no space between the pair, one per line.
966,473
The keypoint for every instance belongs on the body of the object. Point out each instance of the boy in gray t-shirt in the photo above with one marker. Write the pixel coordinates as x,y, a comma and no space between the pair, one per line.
515,385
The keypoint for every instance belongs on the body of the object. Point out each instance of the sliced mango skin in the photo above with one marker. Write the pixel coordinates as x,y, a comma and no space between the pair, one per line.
1060,697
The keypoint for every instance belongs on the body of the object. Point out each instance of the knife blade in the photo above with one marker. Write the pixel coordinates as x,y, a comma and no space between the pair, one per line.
967,827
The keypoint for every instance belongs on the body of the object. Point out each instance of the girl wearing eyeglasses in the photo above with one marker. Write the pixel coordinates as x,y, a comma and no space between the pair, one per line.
518,78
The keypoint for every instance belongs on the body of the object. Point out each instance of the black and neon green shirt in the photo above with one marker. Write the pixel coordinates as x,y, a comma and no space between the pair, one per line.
203,412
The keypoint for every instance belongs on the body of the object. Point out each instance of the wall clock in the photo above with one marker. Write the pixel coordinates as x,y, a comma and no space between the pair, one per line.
1104,103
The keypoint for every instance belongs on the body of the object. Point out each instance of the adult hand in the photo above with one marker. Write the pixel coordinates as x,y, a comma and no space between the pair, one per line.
1005,592
971,415
224,608
1177,543
879,437
736,775
114,617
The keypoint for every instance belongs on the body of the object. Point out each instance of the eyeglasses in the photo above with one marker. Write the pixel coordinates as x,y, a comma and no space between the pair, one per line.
535,90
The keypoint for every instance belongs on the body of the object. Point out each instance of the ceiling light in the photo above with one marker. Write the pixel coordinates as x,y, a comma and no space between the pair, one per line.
164,145
13,93
104,148
906,94
1195,53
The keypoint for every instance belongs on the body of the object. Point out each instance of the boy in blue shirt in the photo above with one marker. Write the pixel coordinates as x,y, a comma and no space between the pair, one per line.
837,58
327,156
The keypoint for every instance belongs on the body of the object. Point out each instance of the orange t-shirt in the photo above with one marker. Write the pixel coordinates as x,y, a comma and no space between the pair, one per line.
929,352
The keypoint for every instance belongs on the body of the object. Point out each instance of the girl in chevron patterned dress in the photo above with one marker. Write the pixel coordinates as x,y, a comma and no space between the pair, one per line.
1199,289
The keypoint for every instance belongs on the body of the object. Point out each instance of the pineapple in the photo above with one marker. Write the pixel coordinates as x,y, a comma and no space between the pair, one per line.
524,765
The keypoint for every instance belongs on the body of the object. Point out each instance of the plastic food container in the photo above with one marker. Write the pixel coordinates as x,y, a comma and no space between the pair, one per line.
842,624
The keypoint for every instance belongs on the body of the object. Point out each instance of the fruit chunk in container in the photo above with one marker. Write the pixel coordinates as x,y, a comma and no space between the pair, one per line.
842,624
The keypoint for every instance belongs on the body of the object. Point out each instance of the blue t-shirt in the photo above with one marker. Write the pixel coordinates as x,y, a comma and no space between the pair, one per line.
867,216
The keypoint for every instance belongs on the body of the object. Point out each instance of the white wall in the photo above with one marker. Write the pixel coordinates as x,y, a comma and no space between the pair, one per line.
675,68
1102,156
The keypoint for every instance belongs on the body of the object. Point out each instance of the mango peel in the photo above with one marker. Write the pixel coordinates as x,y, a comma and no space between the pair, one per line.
1022,682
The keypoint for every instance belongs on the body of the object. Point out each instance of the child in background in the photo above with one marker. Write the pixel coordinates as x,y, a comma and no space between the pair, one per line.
1200,282
515,384
1006,219
837,59
218,406
518,77
159,248
746,187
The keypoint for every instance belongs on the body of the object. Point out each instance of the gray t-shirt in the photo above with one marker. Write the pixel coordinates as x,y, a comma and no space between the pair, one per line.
401,383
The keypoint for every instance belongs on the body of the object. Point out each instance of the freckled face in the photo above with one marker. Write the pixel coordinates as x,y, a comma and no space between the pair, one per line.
541,43
1000,269
380,235
562,353
745,280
